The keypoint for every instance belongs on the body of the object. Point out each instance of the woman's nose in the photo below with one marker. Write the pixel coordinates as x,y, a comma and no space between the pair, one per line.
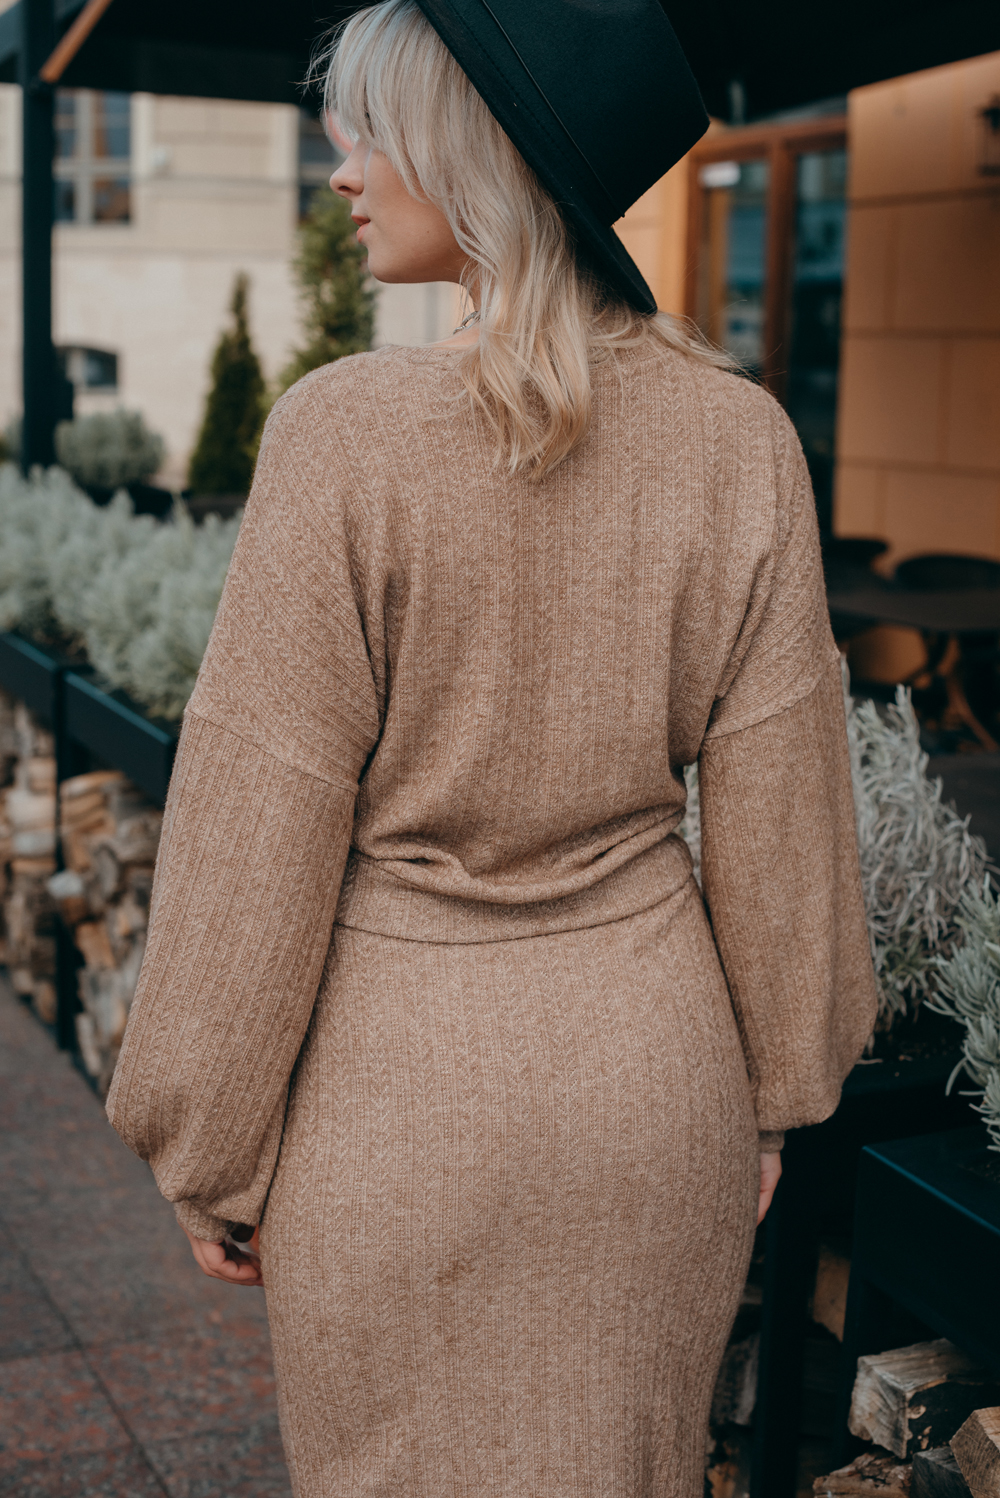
349,178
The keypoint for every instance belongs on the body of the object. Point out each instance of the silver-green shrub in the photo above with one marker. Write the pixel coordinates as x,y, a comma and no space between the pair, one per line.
138,597
918,857
968,990
108,449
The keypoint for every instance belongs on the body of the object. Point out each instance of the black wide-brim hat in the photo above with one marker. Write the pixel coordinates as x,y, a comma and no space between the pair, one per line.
595,94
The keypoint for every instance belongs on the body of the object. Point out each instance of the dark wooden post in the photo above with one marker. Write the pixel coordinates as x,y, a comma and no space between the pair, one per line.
40,383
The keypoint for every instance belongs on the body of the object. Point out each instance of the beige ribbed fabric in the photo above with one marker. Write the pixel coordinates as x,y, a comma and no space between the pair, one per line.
430,989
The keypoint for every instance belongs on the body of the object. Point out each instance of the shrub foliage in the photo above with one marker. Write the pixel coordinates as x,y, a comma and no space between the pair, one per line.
338,303
109,449
134,596
226,450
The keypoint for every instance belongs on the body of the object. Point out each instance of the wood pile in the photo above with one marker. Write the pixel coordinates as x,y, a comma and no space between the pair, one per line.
28,856
874,1473
977,1449
109,834
913,1398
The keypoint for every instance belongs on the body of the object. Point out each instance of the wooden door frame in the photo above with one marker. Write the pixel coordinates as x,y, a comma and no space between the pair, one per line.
779,145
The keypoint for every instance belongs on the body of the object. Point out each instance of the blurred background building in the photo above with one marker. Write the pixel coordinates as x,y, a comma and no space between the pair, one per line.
160,202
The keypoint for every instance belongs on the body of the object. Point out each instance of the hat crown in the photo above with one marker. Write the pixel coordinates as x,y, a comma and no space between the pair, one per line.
613,74
595,94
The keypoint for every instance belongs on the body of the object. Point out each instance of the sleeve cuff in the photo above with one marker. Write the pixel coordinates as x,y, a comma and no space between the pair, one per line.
201,1224
770,1141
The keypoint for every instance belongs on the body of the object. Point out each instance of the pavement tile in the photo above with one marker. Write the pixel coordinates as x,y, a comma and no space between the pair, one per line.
112,1290
51,1405
83,1474
28,1324
85,1235
168,1390
251,1464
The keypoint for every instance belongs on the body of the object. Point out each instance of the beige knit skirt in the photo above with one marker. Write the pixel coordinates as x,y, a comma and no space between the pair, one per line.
512,1214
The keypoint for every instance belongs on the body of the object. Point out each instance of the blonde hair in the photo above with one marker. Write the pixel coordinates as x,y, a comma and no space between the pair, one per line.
544,318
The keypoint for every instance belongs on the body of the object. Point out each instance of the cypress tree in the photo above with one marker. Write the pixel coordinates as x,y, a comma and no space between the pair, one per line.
226,450
338,303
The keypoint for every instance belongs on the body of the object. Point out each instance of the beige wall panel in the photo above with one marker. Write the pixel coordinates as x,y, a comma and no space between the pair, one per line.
859,501
868,292
901,136
10,131
229,218
654,233
10,338
926,512
948,274
163,316
890,399
974,403
975,83
919,134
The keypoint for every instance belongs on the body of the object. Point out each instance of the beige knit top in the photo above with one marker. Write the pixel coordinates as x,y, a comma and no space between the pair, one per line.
477,694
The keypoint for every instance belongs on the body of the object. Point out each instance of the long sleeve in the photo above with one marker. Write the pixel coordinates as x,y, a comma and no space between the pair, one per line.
779,847
256,833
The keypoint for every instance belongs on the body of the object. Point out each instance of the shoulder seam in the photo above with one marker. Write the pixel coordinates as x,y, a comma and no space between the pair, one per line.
812,684
203,717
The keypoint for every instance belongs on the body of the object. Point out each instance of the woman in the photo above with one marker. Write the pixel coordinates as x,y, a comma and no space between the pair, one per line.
431,994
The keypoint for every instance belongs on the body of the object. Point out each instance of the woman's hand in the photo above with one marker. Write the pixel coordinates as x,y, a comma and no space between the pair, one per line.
235,1264
770,1174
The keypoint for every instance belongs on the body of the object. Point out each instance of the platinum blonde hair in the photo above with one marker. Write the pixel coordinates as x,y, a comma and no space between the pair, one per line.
544,318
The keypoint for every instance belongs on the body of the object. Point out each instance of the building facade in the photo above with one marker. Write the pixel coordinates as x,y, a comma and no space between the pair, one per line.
160,203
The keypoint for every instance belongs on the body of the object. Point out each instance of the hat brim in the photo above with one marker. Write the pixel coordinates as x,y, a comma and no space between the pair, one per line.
491,69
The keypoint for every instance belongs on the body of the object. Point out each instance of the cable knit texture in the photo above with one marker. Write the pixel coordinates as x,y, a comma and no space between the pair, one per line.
430,989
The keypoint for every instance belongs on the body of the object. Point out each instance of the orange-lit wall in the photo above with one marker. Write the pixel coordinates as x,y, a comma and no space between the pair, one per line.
654,231
919,424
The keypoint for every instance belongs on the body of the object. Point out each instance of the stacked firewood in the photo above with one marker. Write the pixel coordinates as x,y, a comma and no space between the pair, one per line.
930,1414
28,856
109,834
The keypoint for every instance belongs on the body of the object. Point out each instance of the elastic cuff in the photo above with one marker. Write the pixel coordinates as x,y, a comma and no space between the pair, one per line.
771,1140
201,1224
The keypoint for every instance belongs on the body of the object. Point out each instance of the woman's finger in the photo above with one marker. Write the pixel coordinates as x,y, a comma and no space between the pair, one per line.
770,1174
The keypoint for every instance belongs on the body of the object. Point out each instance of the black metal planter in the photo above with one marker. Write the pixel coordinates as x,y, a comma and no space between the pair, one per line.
32,675
116,731
885,1101
926,1255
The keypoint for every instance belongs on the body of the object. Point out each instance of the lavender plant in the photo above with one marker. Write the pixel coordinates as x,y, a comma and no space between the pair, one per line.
918,857
968,990
137,597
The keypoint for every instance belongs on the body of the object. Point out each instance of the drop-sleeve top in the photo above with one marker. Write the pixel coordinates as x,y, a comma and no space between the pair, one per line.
447,703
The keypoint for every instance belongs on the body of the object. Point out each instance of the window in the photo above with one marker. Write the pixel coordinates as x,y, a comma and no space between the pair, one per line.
767,227
89,368
93,145
317,158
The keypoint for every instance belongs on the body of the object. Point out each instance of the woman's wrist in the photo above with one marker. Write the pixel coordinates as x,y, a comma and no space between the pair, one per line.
771,1141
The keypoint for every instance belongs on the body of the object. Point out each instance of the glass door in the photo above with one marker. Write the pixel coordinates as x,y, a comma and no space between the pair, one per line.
732,275
766,236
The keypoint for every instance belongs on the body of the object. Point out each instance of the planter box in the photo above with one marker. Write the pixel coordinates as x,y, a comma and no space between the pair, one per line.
33,676
116,730
815,1198
926,1246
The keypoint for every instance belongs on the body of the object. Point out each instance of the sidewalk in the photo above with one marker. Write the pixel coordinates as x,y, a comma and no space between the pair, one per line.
124,1372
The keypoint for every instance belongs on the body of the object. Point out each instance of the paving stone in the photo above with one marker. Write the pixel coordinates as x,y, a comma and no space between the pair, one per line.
84,1474
51,1405
28,1324
217,1466
169,1390
86,1236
